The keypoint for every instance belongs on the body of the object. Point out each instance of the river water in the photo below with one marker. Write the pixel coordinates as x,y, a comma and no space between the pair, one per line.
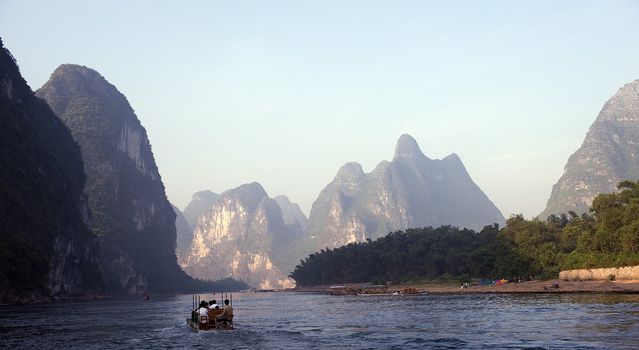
310,321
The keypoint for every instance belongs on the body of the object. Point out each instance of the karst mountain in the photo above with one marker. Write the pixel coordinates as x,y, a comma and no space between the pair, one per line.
244,234
608,155
130,214
410,191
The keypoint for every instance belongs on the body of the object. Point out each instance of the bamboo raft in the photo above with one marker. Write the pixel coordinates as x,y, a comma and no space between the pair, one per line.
210,322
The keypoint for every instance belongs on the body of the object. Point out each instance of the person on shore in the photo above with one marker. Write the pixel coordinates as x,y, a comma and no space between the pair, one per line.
213,305
227,313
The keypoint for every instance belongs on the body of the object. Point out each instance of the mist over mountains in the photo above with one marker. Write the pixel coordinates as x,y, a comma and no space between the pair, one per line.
243,227
412,190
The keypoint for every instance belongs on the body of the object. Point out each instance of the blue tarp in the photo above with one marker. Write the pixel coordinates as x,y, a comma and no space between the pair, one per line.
486,282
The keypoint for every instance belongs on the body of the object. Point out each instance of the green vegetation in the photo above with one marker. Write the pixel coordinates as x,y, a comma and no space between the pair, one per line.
401,256
607,237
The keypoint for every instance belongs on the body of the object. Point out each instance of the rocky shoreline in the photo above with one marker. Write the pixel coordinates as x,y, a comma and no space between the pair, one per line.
12,298
9,298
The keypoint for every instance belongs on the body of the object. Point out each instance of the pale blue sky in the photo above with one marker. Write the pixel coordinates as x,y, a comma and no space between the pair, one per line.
285,92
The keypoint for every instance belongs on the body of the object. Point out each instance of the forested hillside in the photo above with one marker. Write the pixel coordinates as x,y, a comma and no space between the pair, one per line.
401,255
607,236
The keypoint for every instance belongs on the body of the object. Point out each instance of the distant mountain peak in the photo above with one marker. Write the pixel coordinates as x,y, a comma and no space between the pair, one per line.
204,195
67,68
282,200
410,191
407,148
453,159
252,189
248,195
87,80
82,82
291,212
623,106
201,202
350,172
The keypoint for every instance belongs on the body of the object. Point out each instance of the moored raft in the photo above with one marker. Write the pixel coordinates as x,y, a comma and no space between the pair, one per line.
365,289
371,290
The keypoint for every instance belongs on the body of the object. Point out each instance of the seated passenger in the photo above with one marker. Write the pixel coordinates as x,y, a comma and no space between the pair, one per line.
227,313
203,310
213,305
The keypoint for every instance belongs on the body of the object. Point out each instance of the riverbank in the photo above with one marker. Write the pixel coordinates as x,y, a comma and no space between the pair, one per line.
11,297
624,286
541,287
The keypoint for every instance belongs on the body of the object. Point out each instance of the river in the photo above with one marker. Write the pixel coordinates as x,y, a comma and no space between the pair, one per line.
311,321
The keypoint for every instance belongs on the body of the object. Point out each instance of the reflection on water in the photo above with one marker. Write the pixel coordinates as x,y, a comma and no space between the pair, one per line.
293,321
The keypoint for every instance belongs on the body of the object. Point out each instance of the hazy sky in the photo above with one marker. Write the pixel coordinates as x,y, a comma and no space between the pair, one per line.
285,92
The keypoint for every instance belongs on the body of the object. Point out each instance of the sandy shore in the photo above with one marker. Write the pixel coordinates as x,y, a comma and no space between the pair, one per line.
523,287
538,287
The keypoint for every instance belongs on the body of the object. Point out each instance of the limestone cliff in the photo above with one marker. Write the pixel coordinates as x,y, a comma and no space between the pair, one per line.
241,236
608,155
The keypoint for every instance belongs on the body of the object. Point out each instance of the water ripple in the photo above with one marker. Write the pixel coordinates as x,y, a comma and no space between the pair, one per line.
303,321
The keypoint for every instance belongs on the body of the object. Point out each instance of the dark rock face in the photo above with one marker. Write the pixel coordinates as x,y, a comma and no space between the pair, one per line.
410,191
131,215
608,155
244,236
184,233
46,249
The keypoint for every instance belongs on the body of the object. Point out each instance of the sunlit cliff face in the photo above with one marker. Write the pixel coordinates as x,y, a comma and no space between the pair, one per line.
234,238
